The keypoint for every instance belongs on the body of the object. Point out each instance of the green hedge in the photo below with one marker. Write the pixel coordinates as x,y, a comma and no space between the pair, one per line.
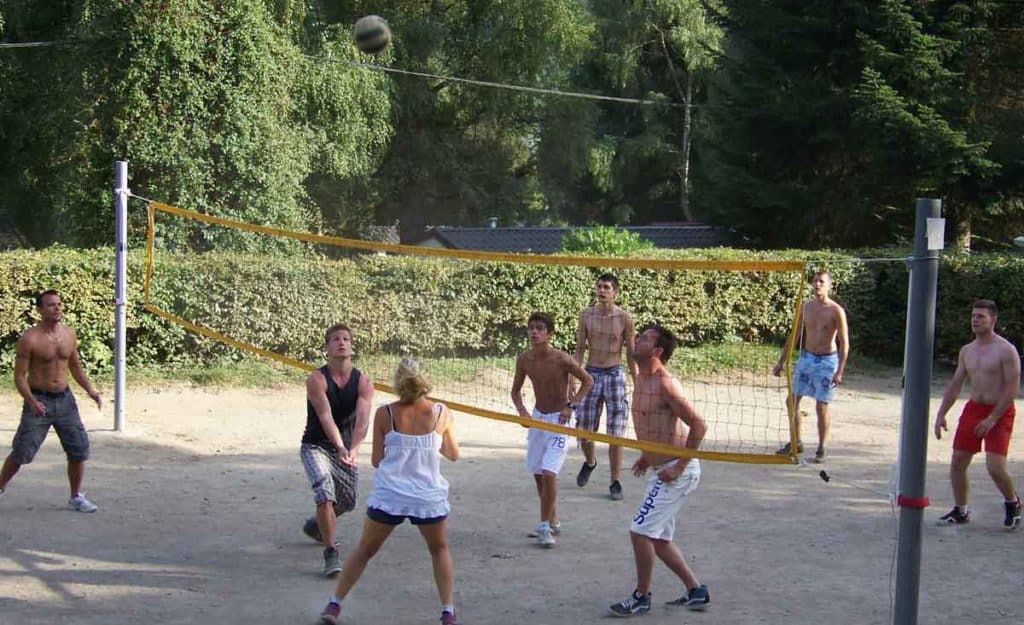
431,307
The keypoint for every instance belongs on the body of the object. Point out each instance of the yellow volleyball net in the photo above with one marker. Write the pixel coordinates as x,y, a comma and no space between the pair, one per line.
464,313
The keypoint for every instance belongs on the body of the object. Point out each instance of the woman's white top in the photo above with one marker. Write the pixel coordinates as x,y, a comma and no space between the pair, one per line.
408,481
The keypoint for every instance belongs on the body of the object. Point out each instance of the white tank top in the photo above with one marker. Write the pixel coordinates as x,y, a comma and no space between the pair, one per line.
408,481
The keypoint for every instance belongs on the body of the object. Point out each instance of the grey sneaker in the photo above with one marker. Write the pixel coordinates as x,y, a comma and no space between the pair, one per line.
584,475
954,517
698,598
615,491
311,529
79,503
332,562
556,530
544,537
632,605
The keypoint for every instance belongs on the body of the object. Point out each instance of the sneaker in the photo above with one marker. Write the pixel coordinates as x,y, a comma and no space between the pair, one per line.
615,491
785,449
556,530
954,517
79,503
311,529
584,475
819,456
698,598
448,618
332,563
545,538
632,605
330,614
1013,514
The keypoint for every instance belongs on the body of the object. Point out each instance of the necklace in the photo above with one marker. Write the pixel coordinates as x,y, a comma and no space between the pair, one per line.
54,336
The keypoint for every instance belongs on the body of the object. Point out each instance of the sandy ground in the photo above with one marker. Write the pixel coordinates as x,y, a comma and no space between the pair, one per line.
202,498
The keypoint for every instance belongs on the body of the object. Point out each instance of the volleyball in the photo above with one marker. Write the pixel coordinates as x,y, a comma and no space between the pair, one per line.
372,34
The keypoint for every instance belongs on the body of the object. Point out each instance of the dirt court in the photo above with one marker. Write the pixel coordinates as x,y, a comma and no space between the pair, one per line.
202,499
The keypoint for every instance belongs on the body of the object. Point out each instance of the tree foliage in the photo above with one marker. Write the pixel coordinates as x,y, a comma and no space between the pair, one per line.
604,241
800,123
213,104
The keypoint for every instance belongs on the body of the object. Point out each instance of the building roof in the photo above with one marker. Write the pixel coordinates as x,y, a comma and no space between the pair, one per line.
548,239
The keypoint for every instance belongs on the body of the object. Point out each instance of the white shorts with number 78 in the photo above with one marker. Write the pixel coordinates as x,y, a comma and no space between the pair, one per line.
546,451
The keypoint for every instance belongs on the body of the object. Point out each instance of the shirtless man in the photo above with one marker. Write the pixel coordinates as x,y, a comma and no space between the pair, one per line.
606,329
662,415
45,354
549,370
825,345
992,365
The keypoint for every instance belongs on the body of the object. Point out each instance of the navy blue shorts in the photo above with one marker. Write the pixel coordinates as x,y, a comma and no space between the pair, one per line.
392,519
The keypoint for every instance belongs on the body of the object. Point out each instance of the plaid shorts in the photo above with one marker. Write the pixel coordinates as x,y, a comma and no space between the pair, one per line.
331,480
610,392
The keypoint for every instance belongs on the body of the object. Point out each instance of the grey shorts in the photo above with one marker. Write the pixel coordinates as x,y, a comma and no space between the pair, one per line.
62,414
331,480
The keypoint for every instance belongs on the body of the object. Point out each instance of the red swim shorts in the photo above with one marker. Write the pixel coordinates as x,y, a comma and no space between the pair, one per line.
997,441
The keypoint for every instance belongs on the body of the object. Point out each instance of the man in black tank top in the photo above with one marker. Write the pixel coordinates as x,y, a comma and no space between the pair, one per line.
338,402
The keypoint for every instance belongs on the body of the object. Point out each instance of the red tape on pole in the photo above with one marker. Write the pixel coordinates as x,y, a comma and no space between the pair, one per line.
912,502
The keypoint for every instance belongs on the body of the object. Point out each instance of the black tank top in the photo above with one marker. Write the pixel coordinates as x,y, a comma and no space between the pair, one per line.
343,409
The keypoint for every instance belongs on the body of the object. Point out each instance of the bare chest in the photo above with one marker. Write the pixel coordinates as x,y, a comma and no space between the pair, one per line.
983,362
606,329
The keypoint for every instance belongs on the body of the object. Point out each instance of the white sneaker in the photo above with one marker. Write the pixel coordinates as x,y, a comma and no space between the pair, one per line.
556,530
545,538
79,503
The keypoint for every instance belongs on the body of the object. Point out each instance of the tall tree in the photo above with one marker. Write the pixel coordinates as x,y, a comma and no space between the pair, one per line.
213,104
830,117
617,163
463,152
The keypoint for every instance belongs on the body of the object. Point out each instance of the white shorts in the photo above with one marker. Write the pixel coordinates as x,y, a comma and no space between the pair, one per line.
546,451
656,516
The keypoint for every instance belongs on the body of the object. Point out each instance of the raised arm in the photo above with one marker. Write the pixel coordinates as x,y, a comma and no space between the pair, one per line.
950,394
316,393
364,403
843,340
78,373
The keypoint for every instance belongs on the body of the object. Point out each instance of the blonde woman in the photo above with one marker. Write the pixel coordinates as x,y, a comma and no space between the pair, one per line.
409,438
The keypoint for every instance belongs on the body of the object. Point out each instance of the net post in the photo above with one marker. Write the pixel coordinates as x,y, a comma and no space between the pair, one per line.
917,367
121,193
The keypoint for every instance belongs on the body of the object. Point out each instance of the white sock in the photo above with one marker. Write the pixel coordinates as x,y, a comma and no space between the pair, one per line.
447,608
334,599
544,525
